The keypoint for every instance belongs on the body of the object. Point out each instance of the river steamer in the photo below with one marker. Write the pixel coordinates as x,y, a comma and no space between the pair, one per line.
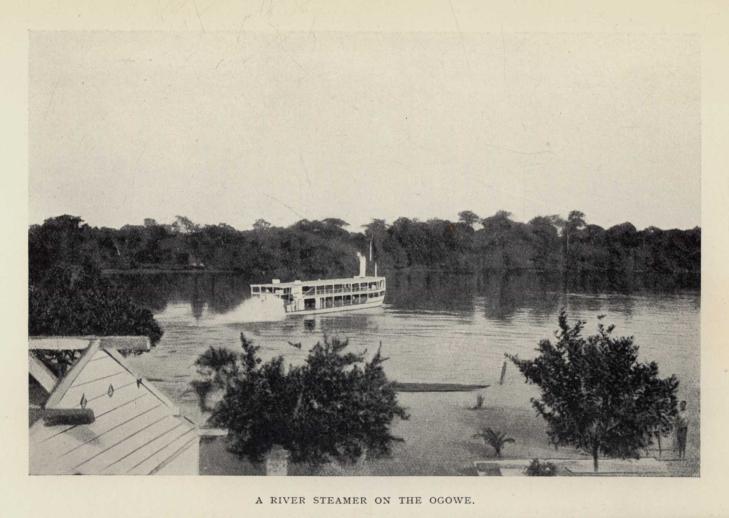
326,295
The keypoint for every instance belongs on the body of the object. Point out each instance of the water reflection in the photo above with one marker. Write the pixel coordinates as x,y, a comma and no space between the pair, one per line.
218,293
503,294
428,291
506,293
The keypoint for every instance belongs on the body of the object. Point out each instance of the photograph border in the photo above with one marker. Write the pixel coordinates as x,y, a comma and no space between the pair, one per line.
236,496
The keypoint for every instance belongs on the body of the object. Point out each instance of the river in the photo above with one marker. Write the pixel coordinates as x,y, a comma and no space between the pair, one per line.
434,327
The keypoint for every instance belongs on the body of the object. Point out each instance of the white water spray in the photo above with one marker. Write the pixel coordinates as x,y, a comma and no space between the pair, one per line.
256,309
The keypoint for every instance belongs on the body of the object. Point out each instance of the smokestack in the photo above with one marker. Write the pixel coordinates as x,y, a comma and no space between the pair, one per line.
362,265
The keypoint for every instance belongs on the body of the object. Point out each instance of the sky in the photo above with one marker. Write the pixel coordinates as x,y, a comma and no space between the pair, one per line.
232,127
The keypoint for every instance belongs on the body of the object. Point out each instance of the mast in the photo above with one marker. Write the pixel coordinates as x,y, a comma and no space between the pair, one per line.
371,239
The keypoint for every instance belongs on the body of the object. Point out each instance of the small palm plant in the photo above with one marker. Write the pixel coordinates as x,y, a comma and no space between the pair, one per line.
217,366
496,440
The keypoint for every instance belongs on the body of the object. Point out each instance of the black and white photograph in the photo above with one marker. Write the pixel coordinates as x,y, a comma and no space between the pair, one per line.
337,254
332,259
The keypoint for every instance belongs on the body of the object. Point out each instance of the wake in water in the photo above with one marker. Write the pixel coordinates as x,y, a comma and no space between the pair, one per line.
256,309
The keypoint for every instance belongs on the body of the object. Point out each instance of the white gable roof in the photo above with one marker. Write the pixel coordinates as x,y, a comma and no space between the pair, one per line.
137,430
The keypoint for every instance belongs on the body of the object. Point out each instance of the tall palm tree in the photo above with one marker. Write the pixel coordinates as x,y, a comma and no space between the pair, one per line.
496,440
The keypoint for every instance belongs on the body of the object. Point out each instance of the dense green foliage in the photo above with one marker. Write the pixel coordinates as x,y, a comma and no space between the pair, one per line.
322,248
595,395
77,300
335,406
67,293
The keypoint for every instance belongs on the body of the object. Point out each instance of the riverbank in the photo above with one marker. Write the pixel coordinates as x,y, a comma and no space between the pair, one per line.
438,439
439,436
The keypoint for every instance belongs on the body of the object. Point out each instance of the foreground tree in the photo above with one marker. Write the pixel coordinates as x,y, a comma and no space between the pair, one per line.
77,300
595,395
73,299
336,406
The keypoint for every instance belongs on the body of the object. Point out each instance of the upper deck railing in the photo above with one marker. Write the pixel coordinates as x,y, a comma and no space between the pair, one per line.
321,282
323,287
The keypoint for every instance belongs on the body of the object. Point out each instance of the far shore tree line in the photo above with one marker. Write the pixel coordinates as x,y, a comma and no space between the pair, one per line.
328,247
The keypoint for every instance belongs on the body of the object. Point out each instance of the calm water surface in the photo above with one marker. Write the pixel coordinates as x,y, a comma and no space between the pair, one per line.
433,327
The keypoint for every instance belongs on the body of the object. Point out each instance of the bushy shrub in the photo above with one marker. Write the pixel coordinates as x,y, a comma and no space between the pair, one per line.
541,469
336,406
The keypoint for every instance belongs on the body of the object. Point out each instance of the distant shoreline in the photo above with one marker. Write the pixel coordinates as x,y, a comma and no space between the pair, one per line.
150,271
566,247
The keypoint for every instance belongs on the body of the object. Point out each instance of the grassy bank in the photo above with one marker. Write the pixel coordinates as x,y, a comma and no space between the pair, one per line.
438,438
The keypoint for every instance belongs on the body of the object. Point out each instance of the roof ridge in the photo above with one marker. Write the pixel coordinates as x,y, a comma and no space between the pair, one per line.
67,381
141,380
